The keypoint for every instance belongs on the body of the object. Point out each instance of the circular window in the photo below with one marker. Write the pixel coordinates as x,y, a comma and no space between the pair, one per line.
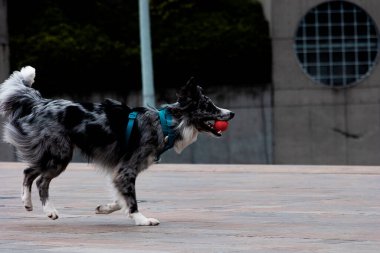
337,43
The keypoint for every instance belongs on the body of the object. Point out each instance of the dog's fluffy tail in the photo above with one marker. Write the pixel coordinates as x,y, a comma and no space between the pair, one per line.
28,74
16,93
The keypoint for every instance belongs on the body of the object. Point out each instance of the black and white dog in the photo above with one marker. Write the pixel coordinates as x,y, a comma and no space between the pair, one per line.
45,132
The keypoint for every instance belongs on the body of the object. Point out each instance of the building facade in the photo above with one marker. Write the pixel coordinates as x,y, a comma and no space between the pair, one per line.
326,81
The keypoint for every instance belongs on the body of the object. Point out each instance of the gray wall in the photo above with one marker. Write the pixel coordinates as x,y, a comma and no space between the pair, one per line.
6,153
4,48
315,124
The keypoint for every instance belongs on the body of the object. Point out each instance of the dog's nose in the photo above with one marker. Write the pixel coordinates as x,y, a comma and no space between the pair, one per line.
232,114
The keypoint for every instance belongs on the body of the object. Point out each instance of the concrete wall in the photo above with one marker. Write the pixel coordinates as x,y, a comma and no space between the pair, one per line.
4,47
315,124
6,153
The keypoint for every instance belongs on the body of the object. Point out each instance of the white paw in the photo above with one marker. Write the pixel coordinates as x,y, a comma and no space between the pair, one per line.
28,207
26,199
152,222
50,211
102,210
141,220
107,209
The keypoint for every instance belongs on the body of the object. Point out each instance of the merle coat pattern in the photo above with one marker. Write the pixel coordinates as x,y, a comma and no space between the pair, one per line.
45,132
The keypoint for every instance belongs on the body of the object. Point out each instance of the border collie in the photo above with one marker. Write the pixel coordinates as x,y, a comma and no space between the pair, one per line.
45,132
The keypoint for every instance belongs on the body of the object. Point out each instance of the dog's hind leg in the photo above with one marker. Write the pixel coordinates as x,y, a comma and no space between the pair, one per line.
43,187
30,174
109,208
53,168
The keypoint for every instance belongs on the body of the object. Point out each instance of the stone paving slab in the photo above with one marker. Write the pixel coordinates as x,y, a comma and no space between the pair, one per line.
202,208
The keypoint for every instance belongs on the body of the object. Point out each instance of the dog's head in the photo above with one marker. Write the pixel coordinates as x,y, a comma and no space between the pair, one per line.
199,109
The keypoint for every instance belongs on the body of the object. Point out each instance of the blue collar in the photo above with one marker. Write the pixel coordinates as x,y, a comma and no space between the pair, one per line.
167,125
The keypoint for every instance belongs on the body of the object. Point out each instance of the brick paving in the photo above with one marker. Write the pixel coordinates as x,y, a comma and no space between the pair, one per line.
202,208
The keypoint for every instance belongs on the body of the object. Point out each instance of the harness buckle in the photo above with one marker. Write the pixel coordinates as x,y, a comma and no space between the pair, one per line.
132,115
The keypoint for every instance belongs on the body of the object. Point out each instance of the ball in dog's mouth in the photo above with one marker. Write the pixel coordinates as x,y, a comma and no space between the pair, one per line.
216,127
221,125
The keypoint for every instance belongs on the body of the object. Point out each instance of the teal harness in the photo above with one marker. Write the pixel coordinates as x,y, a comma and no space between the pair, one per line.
166,121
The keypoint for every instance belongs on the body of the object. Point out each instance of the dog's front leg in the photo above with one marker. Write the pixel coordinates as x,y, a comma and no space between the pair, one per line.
125,183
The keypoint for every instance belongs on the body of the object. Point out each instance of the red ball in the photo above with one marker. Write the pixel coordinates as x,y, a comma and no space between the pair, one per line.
221,125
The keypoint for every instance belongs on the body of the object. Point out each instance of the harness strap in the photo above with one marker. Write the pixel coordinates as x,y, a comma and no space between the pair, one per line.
166,121
132,116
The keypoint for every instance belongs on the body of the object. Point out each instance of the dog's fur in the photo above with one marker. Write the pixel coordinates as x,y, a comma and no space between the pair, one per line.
45,132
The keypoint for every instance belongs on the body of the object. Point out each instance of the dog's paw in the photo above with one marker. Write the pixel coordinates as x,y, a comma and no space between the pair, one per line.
152,222
107,209
50,211
27,204
28,208
102,210
53,215
147,222
141,220
27,200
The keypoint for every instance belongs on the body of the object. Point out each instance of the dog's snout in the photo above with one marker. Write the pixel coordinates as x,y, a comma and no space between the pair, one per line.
225,114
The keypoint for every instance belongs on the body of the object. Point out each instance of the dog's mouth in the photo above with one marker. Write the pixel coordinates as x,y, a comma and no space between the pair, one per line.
208,126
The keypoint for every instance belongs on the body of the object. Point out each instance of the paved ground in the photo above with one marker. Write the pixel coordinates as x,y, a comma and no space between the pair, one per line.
202,208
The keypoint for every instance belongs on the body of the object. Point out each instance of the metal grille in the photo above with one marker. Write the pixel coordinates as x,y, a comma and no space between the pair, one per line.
337,43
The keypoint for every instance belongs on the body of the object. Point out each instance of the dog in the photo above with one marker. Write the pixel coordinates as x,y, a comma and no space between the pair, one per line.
45,132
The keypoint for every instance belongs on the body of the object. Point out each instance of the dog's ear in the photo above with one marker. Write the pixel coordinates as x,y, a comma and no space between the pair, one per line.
189,92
